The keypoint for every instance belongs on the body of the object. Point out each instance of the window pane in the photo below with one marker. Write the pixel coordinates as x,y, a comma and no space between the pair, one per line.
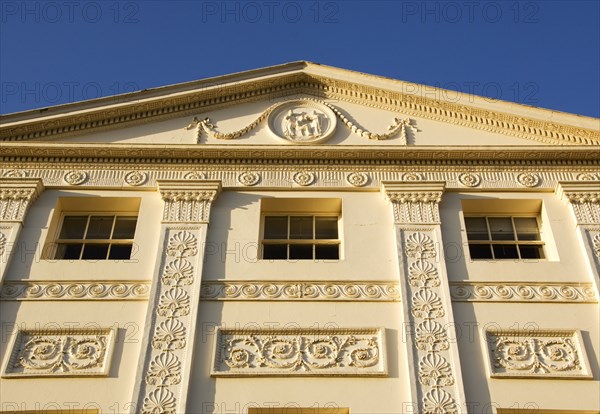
275,251
476,228
526,228
326,227
124,228
100,227
501,228
73,227
68,251
480,251
505,251
301,227
275,227
531,252
327,251
301,251
120,251
95,252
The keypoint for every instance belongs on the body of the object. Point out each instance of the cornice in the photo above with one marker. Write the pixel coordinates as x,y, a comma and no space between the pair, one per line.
226,91
195,153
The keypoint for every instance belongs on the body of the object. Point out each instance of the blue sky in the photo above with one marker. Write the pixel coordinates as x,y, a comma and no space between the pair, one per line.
539,53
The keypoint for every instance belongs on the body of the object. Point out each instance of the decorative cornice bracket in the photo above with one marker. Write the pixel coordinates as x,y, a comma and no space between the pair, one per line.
188,201
584,198
16,195
416,203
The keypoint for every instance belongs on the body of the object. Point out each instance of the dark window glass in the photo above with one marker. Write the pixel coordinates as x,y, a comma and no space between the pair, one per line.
480,251
95,251
526,228
120,252
327,251
501,228
124,228
99,227
276,227
73,227
68,251
326,227
275,251
301,251
476,228
301,227
531,252
505,251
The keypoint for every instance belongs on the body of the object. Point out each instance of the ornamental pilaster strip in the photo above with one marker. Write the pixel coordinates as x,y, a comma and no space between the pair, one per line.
583,198
164,369
433,359
16,196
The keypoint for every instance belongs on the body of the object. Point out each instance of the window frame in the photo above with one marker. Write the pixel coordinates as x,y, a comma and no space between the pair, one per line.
515,241
289,241
57,241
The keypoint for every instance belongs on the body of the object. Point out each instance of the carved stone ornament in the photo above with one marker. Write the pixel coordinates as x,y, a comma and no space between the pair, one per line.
596,245
304,178
75,290
367,291
2,244
312,352
522,292
303,122
248,178
136,178
528,179
412,176
537,354
587,177
60,352
469,179
76,177
194,175
357,179
14,174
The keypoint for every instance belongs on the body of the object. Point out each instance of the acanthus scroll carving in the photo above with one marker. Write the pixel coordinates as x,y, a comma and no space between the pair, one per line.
187,206
538,353
14,202
416,207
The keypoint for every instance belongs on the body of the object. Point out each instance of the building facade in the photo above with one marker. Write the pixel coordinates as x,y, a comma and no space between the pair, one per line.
299,239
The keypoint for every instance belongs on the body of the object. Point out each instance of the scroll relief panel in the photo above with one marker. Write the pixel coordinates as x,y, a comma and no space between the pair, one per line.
302,352
60,353
536,354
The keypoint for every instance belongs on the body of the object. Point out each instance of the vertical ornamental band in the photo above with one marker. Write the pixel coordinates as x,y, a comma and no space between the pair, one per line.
16,196
164,371
434,366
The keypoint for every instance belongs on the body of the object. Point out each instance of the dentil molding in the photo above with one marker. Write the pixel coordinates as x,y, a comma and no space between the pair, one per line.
307,352
539,353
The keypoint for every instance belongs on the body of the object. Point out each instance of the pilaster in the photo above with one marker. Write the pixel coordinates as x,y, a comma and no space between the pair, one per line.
584,201
16,196
434,366
164,370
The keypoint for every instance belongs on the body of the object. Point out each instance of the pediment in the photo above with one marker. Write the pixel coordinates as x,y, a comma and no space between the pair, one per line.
300,104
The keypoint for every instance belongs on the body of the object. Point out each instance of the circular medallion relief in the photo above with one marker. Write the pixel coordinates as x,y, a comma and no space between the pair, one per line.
302,122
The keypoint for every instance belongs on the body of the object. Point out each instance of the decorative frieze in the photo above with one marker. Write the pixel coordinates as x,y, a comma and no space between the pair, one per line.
365,291
357,179
16,195
189,201
528,179
60,352
249,352
76,177
537,354
304,178
567,292
75,290
136,178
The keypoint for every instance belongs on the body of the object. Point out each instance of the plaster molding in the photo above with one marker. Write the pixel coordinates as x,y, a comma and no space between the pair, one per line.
259,290
539,353
50,290
76,177
303,352
529,292
211,97
16,195
584,198
596,245
415,202
188,201
70,352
